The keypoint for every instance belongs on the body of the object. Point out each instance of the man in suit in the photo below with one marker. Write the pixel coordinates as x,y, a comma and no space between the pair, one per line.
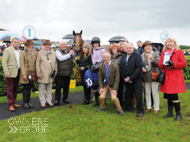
11,67
109,80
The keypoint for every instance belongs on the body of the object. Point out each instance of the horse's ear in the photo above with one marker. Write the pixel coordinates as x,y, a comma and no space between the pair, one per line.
81,32
73,32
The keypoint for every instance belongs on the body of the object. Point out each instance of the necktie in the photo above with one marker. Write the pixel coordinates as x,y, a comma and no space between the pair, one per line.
107,66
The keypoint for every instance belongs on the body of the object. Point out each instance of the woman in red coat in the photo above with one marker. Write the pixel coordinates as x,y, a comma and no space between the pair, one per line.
174,60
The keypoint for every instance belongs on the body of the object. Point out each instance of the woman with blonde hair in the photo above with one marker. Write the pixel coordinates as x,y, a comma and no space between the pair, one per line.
171,62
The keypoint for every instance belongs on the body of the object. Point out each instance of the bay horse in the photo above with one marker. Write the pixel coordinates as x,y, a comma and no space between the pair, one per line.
78,42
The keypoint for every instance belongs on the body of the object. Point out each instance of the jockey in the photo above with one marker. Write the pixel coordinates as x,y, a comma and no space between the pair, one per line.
97,54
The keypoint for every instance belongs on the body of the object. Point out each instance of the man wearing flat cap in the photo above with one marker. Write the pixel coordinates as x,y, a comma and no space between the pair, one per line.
46,69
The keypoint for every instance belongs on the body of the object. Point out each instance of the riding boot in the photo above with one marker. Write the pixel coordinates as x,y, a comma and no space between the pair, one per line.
170,109
25,105
28,99
96,94
178,111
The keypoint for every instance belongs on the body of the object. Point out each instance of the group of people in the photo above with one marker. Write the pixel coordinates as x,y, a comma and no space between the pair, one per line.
122,68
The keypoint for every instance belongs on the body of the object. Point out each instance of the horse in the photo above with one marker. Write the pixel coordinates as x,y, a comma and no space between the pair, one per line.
78,42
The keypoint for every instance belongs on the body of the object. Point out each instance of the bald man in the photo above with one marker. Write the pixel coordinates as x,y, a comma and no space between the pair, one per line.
109,80
131,75
65,68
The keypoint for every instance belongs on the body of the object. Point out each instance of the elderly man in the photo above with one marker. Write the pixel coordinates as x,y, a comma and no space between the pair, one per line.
46,69
131,75
11,67
109,80
65,68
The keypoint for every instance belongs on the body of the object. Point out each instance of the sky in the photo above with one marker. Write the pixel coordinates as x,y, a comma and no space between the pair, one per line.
134,19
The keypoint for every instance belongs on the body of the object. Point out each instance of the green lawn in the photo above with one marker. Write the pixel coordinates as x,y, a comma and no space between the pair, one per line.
20,97
82,123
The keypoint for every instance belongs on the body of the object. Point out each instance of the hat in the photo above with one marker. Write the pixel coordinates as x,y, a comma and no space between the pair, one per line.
29,42
123,39
86,45
47,42
147,43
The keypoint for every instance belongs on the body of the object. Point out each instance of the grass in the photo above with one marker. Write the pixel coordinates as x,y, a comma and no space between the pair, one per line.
20,97
82,123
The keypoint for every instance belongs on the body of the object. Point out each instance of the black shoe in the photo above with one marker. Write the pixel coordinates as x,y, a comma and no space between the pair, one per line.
56,102
66,101
25,105
139,115
178,111
170,109
85,103
96,104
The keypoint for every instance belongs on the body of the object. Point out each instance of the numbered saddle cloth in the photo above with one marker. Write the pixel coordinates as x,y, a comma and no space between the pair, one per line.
91,78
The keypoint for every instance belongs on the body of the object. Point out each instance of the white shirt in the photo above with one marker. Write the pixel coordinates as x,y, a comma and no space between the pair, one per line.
17,56
61,57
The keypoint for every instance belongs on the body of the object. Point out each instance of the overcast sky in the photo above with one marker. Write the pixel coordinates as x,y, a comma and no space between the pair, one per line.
133,19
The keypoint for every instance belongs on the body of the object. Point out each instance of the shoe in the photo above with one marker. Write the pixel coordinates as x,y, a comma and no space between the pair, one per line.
30,105
96,104
15,105
156,111
147,110
56,102
139,114
25,105
170,109
50,104
100,109
11,108
96,94
113,107
85,103
178,111
43,105
121,112
66,101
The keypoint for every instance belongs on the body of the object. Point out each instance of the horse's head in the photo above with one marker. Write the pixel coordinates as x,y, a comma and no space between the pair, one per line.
78,41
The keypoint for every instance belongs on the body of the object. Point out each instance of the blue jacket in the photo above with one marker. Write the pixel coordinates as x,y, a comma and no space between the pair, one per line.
133,68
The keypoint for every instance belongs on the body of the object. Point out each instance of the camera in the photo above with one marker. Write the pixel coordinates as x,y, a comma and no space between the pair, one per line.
52,73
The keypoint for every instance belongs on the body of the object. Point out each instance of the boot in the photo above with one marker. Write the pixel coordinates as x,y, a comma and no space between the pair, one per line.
65,98
28,99
96,94
178,111
170,109
25,105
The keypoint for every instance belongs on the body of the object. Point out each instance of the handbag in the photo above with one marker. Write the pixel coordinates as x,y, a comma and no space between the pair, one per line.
31,74
161,76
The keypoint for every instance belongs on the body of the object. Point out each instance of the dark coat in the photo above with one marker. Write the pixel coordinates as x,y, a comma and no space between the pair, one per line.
132,69
174,79
116,58
113,76
85,62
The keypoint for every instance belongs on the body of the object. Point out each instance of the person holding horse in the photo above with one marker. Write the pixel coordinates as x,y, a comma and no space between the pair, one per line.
64,71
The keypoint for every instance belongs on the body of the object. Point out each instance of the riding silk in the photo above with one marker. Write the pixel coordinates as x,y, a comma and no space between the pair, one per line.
91,79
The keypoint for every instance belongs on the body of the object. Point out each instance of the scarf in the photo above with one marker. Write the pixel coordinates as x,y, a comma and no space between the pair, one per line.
170,51
30,50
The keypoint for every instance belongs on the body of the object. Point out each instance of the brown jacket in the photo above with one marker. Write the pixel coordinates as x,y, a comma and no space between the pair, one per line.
43,67
154,66
24,65
113,76
9,62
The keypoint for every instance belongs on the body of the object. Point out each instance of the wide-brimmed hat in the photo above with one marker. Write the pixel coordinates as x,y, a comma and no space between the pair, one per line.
147,43
47,42
29,42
